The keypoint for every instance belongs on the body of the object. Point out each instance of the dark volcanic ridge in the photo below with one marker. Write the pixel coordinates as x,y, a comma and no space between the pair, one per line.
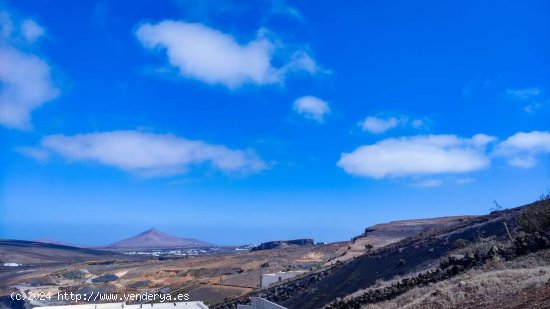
270,245
61,243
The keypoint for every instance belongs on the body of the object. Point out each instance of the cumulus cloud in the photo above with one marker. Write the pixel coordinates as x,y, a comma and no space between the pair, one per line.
214,57
25,85
418,155
522,148
312,108
151,154
25,81
377,125
380,124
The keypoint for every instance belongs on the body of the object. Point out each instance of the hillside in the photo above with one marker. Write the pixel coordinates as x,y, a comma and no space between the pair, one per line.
380,235
407,256
38,253
432,256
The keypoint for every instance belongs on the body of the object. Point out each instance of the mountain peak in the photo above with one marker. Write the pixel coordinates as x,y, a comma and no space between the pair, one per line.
155,239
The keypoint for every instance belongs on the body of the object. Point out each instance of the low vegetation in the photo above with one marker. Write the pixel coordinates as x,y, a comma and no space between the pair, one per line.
484,287
536,217
479,272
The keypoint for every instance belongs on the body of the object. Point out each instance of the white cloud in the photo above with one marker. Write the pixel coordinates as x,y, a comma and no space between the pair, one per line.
151,154
382,123
377,125
25,85
300,61
418,123
534,97
280,7
25,82
524,93
312,108
31,31
418,155
214,57
526,161
533,107
34,152
521,148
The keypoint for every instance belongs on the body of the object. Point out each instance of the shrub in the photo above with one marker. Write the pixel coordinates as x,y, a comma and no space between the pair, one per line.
496,208
536,217
461,243
369,247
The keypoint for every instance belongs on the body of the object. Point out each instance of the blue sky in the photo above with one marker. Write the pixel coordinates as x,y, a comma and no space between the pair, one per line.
239,122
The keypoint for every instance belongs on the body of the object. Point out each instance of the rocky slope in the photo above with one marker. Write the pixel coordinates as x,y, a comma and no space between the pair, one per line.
406,257
380,235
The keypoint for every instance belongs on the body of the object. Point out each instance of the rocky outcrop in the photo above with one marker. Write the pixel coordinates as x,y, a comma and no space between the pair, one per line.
283,243
105,278
527,243
77,274
46,280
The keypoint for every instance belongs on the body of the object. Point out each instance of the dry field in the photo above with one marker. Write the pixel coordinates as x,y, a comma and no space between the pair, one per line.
521,283
203,278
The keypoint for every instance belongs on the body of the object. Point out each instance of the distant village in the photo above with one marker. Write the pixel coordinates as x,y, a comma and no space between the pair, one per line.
191,251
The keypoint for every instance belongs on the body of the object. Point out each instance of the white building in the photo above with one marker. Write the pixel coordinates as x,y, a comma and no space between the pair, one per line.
260,303
178,305
12,264
269,279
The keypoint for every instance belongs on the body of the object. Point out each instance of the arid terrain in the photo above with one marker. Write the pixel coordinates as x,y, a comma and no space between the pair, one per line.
56,268
450,262
484,253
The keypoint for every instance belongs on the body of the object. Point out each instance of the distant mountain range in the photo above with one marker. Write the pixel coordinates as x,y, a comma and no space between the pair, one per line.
150,239
61,243
155,239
